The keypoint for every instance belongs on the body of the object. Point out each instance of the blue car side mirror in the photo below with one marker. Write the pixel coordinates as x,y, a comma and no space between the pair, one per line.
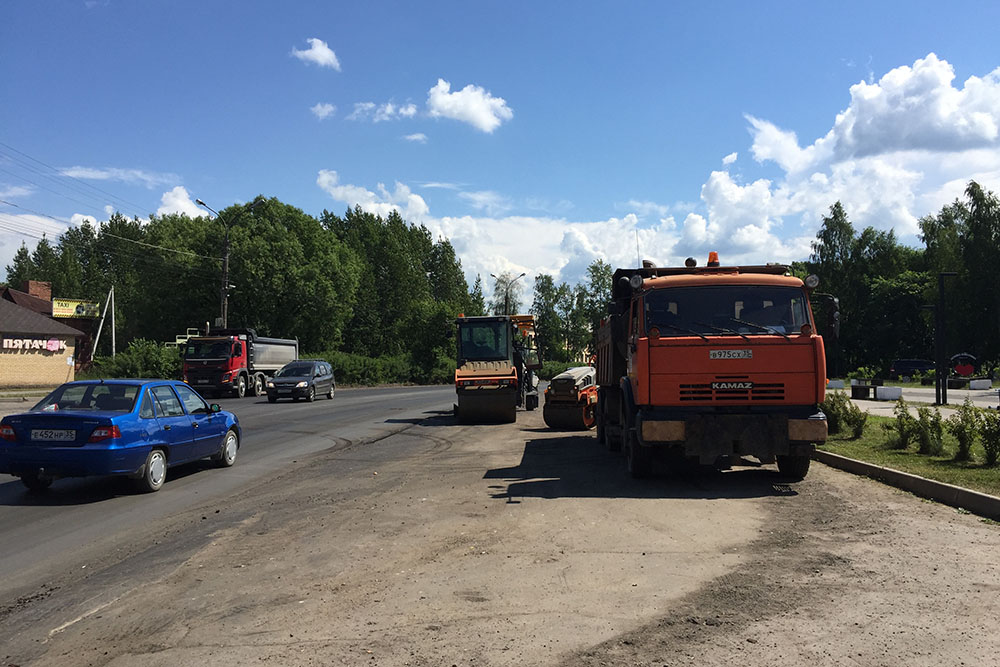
215,407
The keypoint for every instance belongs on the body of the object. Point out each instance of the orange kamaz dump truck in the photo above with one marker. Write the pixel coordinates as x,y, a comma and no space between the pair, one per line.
711,363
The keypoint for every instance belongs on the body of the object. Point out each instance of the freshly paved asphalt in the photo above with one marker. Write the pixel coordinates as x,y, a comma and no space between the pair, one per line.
39,531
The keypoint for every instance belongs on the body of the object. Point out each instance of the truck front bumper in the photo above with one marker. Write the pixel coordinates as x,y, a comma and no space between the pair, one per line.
708,436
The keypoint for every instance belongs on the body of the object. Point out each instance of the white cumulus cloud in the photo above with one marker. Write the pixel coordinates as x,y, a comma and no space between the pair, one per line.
323,110
417,138
411,206
318,53
906,145
473,105
178,200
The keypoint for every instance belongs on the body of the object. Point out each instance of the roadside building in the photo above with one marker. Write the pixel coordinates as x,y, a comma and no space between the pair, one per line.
35,350
36,295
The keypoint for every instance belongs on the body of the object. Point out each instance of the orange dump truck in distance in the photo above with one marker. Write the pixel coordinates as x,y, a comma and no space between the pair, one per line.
711,363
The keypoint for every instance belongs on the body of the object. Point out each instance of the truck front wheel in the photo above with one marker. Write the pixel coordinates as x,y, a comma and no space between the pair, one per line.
794,467
637,457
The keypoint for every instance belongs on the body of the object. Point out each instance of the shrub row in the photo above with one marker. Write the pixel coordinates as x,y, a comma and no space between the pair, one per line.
968,425
150,359
141,359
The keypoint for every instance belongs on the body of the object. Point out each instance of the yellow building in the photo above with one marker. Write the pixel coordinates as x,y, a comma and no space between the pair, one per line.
35,351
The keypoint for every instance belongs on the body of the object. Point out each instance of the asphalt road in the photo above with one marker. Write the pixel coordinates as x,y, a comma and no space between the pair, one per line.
492,546
39,534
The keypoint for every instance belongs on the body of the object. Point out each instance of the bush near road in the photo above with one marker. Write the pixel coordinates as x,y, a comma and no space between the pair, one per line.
878,445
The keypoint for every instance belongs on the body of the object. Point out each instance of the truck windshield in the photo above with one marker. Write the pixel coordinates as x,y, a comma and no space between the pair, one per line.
726,309
484,341
206,349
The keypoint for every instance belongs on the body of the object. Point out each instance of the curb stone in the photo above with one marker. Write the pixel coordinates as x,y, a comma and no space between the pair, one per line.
982,504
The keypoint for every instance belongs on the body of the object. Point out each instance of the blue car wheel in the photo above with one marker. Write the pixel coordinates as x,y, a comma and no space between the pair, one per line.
227,453
154,472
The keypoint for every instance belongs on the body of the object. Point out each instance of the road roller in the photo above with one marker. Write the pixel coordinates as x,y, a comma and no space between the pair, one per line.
496,364
570,400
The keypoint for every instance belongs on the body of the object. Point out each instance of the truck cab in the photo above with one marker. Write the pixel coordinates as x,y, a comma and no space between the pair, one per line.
235,361
214,364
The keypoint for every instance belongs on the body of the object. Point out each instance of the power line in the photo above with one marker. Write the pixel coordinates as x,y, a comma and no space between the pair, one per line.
126,254
114,236
137,209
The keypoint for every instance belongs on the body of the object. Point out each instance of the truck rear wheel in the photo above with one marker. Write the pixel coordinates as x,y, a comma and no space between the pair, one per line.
241,387
257,387
794,467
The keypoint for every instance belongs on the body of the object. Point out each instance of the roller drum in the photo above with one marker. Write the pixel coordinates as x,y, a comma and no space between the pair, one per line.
569,417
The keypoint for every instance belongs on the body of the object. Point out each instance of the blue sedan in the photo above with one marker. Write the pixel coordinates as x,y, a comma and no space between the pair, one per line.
136,428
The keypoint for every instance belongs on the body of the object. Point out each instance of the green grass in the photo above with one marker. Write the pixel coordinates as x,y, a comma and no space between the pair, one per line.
872,448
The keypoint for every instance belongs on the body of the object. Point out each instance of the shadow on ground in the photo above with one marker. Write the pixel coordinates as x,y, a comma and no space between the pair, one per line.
87,490
573,466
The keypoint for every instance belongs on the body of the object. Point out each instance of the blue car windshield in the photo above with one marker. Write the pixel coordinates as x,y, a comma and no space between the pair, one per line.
90,398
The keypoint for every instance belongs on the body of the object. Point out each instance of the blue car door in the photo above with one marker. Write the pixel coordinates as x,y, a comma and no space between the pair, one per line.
175,425
207,426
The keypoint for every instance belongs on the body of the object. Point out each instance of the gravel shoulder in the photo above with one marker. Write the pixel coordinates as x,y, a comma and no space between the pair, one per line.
516,545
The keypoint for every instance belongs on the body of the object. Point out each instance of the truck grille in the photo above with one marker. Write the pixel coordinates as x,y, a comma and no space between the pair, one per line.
705,393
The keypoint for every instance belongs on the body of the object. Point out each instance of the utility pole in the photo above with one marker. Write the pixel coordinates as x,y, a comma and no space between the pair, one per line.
224,291
108,305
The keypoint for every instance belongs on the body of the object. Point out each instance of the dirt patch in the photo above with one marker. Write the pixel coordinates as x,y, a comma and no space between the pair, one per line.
860,574
515,545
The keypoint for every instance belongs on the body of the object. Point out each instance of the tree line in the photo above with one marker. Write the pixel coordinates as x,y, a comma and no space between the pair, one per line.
357,287
378,296
886,290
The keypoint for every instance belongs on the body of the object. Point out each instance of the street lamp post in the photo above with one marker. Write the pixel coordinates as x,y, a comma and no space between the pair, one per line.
940,343
506,293
224,293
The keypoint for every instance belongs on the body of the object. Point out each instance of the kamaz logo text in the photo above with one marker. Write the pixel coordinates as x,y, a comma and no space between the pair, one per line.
732,385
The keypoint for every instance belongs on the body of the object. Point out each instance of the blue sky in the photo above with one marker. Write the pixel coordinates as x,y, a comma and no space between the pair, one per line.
537,136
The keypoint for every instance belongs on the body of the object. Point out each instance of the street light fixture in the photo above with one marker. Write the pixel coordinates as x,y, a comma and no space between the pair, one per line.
224,293
506,294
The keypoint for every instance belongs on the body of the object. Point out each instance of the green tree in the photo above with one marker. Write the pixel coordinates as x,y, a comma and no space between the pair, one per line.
980,244
477,303
548,324
506,294
21,269
597,294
